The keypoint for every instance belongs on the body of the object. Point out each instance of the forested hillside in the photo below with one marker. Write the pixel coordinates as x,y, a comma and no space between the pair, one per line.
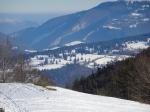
128,79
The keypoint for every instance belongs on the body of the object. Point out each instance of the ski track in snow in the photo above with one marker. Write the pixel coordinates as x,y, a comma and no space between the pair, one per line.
17,97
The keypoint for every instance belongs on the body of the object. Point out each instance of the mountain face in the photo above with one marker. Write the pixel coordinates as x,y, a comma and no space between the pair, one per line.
9,25
107,21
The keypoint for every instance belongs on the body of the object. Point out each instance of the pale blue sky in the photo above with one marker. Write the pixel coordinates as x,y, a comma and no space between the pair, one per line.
46,6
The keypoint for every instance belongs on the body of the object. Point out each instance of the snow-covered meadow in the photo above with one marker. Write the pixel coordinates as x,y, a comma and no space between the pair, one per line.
89,56
17,97
44,62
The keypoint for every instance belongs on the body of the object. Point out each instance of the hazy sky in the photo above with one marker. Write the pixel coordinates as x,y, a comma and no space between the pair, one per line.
40,11
46,6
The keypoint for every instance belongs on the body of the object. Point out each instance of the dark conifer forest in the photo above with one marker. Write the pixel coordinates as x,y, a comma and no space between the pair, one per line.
128,79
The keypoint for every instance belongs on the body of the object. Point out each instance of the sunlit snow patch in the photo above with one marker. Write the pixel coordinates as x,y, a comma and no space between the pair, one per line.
74,43
111,27
135,45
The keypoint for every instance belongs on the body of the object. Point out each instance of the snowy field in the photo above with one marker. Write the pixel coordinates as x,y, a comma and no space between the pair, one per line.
88,60
92,59
131,45
16,97
74,43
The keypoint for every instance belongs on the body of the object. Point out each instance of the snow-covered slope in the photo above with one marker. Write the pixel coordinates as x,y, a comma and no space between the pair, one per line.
74,43
135,45
16,97
45,62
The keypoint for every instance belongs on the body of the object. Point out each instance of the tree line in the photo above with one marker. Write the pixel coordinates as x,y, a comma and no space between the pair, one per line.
127,79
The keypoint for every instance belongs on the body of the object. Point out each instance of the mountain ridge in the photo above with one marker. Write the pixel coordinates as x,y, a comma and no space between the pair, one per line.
96,24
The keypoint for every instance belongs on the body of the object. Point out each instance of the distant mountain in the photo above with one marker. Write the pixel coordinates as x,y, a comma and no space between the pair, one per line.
102,47
10,25
107,21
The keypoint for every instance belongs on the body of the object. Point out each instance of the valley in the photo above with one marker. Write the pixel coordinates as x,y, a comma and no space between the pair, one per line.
85,57
75,56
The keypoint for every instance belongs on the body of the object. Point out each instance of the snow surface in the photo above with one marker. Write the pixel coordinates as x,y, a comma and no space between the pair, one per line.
73,43
135,14
148,40
87,60
78,27
91,60
49,67
40,63
30,51
145,6
146,19
135,45
88,35
133,26
53,48
111,27
17,97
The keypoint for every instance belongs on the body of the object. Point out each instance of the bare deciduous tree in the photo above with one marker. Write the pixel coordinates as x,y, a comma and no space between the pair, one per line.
5,58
